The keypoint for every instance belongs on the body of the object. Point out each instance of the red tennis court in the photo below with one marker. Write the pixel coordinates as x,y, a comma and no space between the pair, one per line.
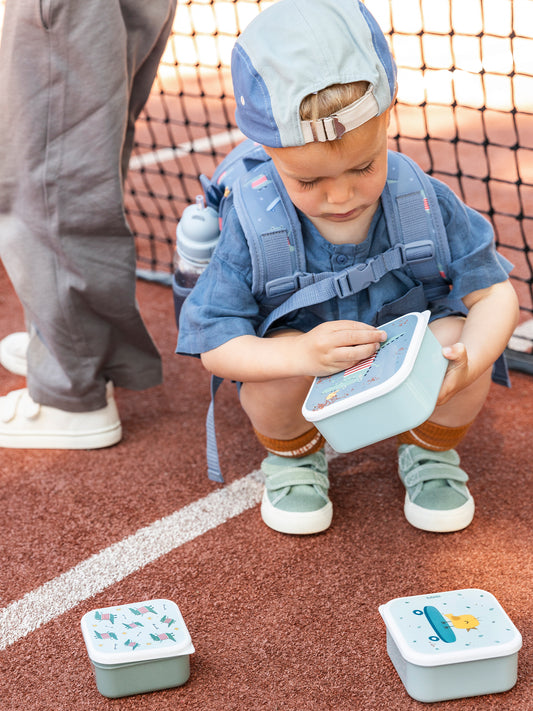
278,622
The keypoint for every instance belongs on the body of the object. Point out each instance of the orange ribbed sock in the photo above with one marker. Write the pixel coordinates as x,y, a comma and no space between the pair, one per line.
308,443
437,438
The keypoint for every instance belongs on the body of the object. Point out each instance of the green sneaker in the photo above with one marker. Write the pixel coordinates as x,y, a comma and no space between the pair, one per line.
296,494
437,498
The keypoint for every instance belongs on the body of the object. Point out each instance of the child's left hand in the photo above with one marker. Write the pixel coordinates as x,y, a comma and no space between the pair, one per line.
457,376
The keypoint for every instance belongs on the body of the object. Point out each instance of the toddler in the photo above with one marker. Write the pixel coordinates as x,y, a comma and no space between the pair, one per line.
314,83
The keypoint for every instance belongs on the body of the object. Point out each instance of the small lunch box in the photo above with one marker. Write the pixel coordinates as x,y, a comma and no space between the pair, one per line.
391,392
138,647
451,645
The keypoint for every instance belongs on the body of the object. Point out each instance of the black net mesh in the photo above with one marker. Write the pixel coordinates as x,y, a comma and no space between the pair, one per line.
464,112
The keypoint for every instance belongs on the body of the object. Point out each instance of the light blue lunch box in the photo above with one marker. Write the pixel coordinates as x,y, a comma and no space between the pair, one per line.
382,396
137,647
451,645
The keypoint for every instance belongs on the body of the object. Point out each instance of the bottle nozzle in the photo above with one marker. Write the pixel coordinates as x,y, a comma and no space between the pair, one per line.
200,202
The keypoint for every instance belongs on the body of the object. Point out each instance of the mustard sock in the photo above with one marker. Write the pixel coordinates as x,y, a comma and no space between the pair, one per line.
308,443
437,438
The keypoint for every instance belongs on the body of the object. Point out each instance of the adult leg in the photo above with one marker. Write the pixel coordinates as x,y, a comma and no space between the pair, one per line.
144,55
63,236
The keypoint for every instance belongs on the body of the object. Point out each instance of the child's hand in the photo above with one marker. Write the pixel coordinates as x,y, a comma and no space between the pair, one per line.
328,348
336,345
457,376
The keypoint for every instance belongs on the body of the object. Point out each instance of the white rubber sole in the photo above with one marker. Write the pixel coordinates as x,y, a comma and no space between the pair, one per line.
24,424
296,522
13,350
439,521
93,439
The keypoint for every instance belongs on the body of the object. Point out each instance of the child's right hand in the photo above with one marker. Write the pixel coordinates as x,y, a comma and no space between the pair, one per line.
336,345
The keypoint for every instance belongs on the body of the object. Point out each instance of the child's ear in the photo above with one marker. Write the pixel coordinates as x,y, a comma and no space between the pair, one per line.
386,116
394,97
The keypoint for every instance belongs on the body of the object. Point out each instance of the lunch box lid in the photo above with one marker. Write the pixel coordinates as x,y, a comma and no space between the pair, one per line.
141,631
373,377
450,627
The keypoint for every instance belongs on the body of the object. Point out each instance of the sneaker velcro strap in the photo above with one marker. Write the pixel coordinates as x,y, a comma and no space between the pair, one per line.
18,399
8,405
296,476
437,470
411,455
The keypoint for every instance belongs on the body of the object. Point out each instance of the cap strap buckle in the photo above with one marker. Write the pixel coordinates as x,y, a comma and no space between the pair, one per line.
335,126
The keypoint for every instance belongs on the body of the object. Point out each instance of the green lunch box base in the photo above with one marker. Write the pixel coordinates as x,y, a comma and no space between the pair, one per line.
116,680
451,645
137,647
382,396
457,681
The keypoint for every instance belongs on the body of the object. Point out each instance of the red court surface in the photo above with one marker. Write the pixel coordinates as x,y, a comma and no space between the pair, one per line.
278,622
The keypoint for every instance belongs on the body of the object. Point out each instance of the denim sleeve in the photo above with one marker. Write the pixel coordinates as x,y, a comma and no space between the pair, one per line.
475,262
221,305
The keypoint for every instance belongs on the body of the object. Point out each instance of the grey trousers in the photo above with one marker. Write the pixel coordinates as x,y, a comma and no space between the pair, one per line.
74,75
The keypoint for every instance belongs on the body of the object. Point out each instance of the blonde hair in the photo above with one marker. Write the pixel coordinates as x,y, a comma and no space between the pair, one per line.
331,99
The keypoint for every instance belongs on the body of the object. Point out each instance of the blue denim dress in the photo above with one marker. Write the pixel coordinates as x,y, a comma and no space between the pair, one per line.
221,305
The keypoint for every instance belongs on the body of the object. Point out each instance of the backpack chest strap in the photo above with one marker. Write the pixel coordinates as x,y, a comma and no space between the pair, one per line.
317,288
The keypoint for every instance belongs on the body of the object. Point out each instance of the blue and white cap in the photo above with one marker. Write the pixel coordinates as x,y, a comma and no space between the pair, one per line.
297,47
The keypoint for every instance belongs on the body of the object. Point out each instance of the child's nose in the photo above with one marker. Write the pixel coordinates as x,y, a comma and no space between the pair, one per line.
339,192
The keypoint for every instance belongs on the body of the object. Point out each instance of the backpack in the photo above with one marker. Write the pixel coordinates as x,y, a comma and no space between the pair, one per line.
247,179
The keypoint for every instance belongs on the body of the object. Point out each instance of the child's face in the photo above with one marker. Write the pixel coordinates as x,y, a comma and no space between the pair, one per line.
338,185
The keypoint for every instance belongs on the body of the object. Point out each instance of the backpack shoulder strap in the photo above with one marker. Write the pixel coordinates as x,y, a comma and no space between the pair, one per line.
274,238
272,229
214,472
412,214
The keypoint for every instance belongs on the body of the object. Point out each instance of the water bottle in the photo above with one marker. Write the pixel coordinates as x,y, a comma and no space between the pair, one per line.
196,238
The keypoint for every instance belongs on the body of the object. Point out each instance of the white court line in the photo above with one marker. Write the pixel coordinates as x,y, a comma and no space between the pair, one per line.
113,564
198,145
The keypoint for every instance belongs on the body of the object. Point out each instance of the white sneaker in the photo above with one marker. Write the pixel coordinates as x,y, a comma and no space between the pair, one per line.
13,349
24,424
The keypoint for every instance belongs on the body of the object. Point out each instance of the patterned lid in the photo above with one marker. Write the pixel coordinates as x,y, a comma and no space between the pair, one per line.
450,627
135,632
372,377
